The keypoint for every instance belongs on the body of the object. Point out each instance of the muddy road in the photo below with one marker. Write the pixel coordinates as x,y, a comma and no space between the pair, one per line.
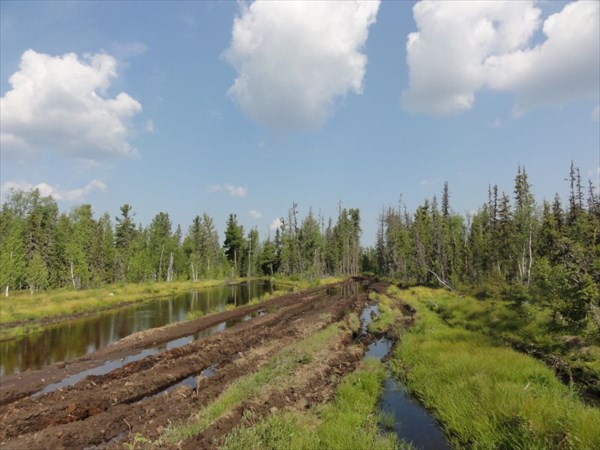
145,390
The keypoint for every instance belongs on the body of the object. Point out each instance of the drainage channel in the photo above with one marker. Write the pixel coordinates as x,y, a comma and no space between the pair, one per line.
411,422
111,365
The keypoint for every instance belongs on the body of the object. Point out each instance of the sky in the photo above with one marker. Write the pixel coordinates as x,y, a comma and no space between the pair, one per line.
247,107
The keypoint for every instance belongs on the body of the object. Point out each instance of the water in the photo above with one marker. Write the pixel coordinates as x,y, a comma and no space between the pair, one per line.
191,381
112,364
411,422
366,317
75,338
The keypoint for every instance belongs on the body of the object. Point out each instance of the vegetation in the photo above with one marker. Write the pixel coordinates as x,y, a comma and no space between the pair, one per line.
41,248
487,395
349,421
277,371
24,307
529,253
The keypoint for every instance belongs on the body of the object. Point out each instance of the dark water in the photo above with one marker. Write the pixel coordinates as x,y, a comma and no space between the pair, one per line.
411,422
72,339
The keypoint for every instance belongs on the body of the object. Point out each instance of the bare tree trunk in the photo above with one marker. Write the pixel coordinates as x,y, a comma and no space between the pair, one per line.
194,274
170,269
442,282
530,258
73,276
160,263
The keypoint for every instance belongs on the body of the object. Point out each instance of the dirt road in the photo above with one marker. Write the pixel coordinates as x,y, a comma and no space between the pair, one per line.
144,397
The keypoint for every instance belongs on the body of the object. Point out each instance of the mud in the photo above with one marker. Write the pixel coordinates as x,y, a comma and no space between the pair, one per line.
143,396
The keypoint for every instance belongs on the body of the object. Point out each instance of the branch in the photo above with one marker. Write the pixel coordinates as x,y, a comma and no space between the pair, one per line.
442,282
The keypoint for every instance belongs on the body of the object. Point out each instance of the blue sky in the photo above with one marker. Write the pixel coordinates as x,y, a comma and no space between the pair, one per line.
329,106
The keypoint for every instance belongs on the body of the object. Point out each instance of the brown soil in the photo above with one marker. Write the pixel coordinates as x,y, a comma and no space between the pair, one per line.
21,385
103,411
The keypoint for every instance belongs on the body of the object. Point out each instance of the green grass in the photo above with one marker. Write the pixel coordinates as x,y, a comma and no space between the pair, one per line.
527,325
487,395
350,421
388,313
298,283
277,371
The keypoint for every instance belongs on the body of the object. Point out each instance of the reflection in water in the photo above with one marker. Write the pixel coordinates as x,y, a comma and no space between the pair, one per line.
69,340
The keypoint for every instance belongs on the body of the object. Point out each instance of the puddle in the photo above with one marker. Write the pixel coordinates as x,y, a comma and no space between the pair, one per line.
366,317
105,368
379,349
111,365
191,381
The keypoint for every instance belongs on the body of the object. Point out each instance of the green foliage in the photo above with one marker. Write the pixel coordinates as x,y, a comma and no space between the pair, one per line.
37,273
485,395
234,241
551,258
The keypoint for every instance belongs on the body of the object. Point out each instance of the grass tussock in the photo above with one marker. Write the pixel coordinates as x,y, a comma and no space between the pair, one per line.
350,421
388,313
487,395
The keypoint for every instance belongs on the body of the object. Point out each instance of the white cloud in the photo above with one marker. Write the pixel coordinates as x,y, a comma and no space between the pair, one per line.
150,126
424,182
234,191
294,58
46,189
497,123
89,164
59,104
596,113
255,214
463,47
276,224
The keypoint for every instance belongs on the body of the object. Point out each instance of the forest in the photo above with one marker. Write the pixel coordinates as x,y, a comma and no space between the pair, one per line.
491,320
512,245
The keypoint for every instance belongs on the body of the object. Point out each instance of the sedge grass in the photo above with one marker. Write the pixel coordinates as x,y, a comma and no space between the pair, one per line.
487,395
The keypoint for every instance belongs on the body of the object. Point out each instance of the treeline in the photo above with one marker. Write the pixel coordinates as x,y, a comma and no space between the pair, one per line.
42,248
528,251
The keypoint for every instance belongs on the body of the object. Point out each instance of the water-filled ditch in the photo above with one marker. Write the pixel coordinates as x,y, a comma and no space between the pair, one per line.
74,338
406,417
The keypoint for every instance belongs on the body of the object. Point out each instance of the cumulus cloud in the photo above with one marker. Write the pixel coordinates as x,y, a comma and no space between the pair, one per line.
234,191
255,214
276,224
294,58
74,195
59,104
464,47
